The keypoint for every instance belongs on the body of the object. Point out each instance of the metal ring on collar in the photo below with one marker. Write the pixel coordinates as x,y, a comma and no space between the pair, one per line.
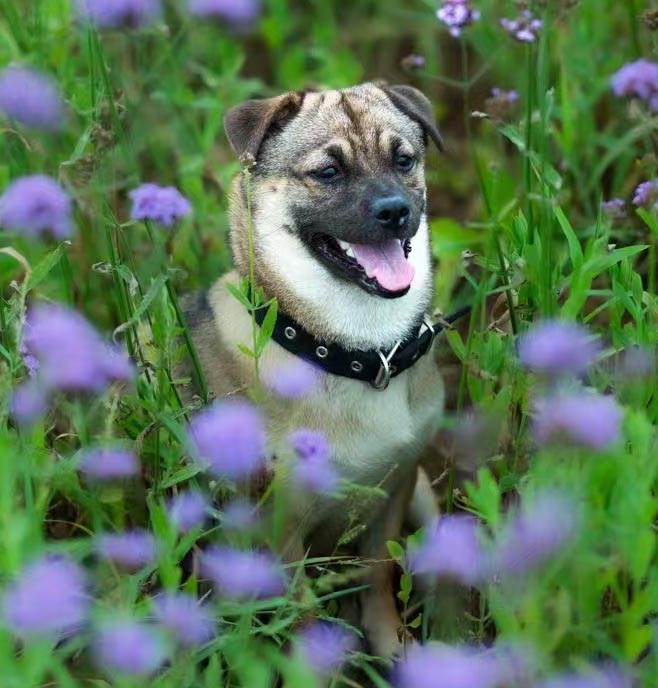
383,377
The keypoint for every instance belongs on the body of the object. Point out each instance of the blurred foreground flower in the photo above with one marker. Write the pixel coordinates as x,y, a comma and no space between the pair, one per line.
639,79
31,98
555,347
236,13
582,418
535,533
239,514
161,204
29,402
325,646
132,550
646,194
129,647
190,622
451,549
313,469
69,353
294,381
443,666
243,574
37,205
525,28
229,439
109,463
188,510
456,15
48,598
114,14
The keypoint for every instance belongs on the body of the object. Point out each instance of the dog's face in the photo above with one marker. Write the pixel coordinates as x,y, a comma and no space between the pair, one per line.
343,172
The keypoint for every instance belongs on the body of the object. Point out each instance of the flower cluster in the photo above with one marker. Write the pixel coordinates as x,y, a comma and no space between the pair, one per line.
37,205
188,510
313,469
325,646
31,98
241,574
456,15
229,439
638,79
108,463
163,204
615,208
236,13
188,621
525,28
70,356
646,194
131,550
119,13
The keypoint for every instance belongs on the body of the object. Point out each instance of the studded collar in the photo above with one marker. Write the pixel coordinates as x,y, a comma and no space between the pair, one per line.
376,367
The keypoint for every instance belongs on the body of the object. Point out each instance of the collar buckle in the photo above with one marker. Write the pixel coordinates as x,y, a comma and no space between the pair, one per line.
383,377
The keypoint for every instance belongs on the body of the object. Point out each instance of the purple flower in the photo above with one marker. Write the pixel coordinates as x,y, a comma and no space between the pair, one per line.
582,418
237,13
109,463
29,402
451,549
646,194
37,205
554,347
239,515
443,666
70,353
639,79
456,15
182,615
188,510
294,381
413,62
132,550
49,597
524,28
313,470
31,98
113,14
614,208
229,438
161,204
638,363
325,646
239,575
534,534
509,96
129,647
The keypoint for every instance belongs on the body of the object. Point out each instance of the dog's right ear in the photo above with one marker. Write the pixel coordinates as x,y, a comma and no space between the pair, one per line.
248,124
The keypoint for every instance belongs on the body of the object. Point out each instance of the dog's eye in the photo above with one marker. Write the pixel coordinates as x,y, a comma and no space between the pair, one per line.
404,163
327,173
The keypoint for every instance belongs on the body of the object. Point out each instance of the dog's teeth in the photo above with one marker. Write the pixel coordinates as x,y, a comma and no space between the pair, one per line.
349,252
344,245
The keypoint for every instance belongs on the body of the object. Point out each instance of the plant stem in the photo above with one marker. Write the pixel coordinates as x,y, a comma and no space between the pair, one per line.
252,272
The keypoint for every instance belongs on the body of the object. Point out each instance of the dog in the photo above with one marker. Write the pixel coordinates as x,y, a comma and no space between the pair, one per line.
335,212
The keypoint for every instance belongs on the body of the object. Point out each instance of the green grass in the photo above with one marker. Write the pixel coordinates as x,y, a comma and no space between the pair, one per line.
523,194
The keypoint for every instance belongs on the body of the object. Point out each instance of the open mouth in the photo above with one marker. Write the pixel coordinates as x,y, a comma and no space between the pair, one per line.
381,269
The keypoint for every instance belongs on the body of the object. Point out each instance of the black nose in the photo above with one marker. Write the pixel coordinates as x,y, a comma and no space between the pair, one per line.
392,212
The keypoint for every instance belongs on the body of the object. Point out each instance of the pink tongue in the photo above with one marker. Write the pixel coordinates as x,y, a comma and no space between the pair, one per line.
385,263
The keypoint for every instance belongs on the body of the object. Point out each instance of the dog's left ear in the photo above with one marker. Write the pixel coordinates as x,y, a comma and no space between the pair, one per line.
416,106
246,125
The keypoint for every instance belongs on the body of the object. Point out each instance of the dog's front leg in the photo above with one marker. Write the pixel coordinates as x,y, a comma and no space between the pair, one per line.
379,616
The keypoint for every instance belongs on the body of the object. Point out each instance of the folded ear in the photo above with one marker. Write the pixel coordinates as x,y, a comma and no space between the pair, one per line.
246,125
416,106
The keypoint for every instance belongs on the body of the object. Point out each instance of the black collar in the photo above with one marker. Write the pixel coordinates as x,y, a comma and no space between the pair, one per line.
375,366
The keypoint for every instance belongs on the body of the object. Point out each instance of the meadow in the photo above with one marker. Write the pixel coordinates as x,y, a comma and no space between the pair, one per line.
127,561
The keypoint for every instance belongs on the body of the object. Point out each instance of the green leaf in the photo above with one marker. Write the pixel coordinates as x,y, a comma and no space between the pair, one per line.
156,286
239,295
266,328
246,350
575,251
395,550
44,267
649,220
416,622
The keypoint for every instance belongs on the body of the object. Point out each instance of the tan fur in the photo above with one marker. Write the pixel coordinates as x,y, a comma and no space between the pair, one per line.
376,436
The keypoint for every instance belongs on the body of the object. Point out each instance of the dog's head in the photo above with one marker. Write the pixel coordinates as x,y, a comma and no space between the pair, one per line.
341,175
